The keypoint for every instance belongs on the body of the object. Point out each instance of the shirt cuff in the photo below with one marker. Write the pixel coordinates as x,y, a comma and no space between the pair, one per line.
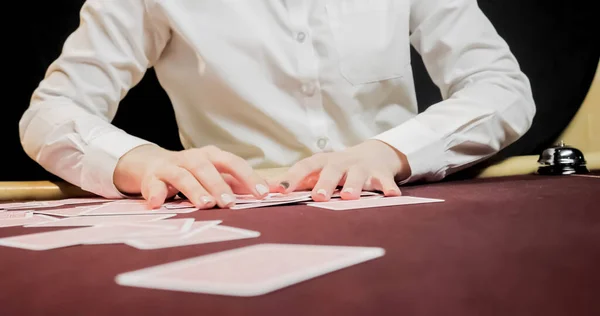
423,149
100,160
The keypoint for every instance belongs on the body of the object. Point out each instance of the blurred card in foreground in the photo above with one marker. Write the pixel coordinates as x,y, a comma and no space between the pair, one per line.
249,271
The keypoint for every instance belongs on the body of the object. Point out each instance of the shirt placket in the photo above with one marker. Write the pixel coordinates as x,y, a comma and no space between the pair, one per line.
310,94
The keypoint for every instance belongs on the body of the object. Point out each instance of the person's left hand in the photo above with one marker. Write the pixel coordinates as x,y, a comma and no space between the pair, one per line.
372,165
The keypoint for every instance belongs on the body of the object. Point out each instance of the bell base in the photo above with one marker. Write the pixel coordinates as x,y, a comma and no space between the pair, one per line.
562,170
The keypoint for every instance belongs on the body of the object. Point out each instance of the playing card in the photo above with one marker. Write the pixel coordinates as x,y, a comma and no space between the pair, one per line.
66,212
273,197
34,219
248,201
184,226
73,236
201,235
15,214
342,205
244,206
337,194
178,204
104,219
133,207
179,227
23,205
52,203
249,271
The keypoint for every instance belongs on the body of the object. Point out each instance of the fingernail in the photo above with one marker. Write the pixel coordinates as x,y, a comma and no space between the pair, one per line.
284,184
348,190
227,199
322,192
261,189
206,200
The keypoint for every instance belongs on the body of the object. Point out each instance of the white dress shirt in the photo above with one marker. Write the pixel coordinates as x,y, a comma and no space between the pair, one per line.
274,81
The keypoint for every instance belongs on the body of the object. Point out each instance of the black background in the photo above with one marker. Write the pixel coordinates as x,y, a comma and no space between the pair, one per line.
556,43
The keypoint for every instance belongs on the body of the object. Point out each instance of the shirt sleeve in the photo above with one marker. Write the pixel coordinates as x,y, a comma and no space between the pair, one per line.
487,100
67,128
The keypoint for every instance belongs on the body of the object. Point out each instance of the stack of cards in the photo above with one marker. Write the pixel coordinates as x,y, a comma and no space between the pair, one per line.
249,271
249,201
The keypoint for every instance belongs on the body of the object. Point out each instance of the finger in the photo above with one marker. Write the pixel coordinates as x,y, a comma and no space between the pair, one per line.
386,184
236,186
241,170
213,182
305,185
294,177
329,179
183,180
155,192
353,186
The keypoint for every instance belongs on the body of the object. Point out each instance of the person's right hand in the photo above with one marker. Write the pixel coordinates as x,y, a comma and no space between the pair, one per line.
159,174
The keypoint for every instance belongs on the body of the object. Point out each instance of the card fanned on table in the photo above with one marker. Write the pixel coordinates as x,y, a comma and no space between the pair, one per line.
27,220
249,271
74,236
343,205
102,219
201,235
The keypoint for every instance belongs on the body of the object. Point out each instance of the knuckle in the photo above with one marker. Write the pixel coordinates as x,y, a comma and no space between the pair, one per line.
327,182
231,160
217,186
335,168
308,164
179,176
358,169
210,149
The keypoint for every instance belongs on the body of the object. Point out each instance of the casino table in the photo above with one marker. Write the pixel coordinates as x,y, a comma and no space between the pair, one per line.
513,245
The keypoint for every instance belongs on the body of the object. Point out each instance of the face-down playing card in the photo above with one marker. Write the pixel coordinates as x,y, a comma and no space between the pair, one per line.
52,203
246,202
74,236
249,271
166,228
342,205
133,207
27,220
102,219
200,235
15,214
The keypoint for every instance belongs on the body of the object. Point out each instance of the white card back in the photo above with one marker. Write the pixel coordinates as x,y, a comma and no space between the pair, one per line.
34,219
201,235
249,271
99,220
343,205
72,236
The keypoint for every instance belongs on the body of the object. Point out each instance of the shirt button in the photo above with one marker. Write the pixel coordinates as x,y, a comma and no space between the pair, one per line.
308,89
322,142
300,37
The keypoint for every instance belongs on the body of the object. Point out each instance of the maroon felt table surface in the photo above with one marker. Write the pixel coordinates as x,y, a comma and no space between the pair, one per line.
525,245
